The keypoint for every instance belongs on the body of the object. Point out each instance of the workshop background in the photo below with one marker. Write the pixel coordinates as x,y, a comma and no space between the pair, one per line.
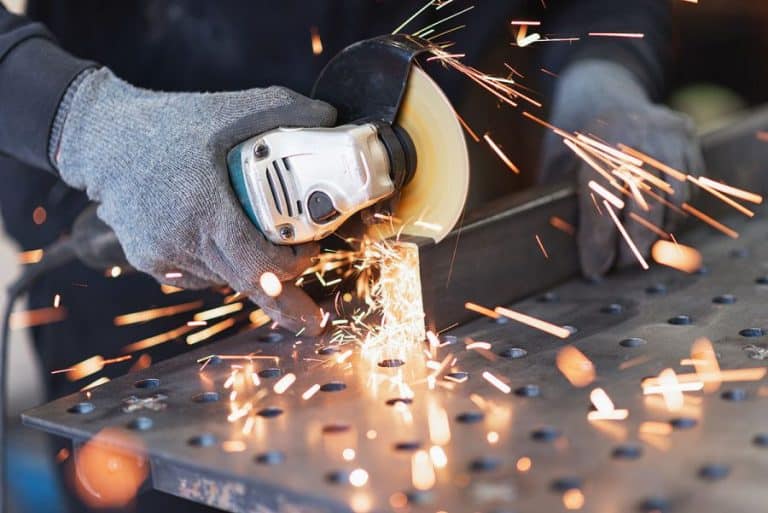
720,71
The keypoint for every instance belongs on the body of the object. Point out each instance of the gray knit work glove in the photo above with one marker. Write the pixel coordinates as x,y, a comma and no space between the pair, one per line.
156,162
605,99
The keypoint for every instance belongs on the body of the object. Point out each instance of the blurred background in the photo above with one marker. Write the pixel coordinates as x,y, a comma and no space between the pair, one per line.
719,71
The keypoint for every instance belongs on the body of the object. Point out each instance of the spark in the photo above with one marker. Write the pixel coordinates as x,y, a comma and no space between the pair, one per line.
648,225
233,446
166,289
674,173
573,499
478,345
422,471
36,317
57,300
677,256
310,392
524,464
469,130
562,225
219,311
626,236
155,313
348,454
575,366
706,364
438,456
492,437
141,363
358,477
32,256
501,154
439,426
533,322
523,40
604,406
414,16
655,428
207,333
606,194
635,35
270,284
258,318
62,455
429,226
710,221
197,324
317,42
496,382
284,383
440,22
89,366
173,275
722,197
671,389
542,248
482,310
732,191
94,384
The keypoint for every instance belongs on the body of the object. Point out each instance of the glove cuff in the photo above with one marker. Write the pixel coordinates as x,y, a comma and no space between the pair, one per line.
62,112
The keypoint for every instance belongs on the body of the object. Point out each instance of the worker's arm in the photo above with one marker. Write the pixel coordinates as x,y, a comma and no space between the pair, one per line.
34,73
608,87
156,163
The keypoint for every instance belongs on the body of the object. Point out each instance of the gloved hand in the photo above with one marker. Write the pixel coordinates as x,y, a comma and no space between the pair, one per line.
605,99
156,162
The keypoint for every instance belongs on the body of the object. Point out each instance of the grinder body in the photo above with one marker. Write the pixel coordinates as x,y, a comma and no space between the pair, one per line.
299,185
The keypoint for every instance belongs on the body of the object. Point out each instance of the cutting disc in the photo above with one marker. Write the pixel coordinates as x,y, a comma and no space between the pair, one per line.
431,204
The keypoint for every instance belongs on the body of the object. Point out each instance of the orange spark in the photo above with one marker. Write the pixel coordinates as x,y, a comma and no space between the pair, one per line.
533,322
524,464
648,225
710,221
575,366
317,42
706,364
573,499
635,35
219,311
604,406
732,191
310,392
626,236
496,382
680,257
39,215
32,256
501,154
422,471
207,333
37,317
284,383
270,284
542,248
469,130
482,310
562,225
674,173
155,313
606,194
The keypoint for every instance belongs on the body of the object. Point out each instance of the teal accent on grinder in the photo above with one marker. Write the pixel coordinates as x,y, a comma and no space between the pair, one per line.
237,179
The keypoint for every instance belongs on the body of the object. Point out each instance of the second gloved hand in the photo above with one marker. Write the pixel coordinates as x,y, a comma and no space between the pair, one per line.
157,164
606,100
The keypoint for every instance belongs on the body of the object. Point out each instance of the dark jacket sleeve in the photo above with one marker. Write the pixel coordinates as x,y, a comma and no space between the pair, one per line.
34,75
645,56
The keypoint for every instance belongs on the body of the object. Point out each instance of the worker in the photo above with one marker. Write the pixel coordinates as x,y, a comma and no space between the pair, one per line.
112,102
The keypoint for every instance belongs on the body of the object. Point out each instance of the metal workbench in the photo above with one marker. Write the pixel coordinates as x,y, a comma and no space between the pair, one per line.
632,325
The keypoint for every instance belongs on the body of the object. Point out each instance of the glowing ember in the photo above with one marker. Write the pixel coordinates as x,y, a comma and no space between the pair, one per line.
155,313
422,472
677,256
270,284
533,322
576,367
